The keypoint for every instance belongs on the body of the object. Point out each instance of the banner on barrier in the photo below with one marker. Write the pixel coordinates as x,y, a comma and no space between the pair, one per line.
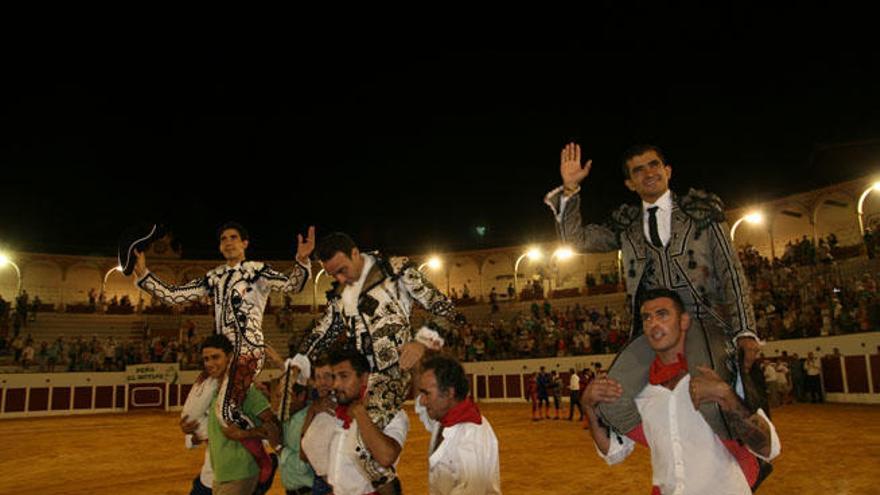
152,373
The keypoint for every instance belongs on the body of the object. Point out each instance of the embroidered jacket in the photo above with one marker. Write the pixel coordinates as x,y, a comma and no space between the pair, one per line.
698,262
239,294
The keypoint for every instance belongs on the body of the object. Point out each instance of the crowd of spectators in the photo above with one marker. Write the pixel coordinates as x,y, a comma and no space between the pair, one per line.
795,300
80,353
543,332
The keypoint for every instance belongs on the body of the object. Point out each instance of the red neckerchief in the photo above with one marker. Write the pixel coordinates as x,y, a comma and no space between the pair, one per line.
342,410
342,413
463,412
662,373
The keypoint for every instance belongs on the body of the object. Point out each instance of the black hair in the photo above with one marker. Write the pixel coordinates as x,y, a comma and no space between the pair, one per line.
636,150
661,292
449,373
336,242
217,341
358,361
242,232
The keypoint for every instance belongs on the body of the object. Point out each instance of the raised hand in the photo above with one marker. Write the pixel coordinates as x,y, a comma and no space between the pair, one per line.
305,247
570,167
601,390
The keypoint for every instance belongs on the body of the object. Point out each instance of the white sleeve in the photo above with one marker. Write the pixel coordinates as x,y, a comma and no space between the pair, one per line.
300,361
422,413
429,338
775,446
398,427
619,448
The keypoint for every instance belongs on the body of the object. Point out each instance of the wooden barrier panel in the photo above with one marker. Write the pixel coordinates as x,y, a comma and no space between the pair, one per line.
120,396
875,372
146,396
14,400
832,374
38,399
513,386
172,394
82,398
496,387
481,387
60,398
856,374
104,397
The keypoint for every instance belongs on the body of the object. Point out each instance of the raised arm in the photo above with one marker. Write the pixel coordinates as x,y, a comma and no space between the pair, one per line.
170,294
565,203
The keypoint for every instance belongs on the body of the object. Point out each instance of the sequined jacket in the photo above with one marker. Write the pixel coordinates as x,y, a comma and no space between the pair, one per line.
698,262
382,323
239,294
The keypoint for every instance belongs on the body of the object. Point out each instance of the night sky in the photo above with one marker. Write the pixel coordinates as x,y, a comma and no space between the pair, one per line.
406,142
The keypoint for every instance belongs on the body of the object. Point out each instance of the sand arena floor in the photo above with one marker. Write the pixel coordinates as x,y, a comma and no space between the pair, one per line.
827,449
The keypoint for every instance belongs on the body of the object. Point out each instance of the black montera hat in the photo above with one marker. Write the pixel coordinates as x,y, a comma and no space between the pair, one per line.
136,238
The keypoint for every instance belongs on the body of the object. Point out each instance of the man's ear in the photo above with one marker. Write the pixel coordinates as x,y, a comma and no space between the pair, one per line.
630,185
685,321
244,244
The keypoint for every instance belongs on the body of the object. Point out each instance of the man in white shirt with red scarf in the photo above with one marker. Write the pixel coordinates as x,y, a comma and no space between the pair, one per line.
687,456
463,453
345,471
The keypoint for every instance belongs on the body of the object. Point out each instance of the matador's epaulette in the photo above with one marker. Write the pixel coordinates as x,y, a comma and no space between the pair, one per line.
623,217
396,265
703,208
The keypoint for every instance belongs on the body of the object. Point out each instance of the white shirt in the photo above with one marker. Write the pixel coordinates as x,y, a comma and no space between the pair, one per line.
686,456
574,383
770,374
316,441
351,293
344,472
664,217
466,462
812,367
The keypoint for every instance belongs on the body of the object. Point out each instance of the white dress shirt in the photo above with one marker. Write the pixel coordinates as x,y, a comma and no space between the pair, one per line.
351,293
344,472
687,457
664,217
466,462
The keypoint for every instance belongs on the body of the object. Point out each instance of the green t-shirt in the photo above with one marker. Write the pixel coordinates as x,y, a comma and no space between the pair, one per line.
229,459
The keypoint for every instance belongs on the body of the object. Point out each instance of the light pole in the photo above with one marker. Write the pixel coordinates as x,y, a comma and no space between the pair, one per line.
434,263
4,260
754,218
533,254
562,253
860,211
315,290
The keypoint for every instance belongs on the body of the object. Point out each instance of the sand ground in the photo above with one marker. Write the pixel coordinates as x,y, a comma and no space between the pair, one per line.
827,449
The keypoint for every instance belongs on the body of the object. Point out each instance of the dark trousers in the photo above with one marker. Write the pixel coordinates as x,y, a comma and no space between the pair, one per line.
198,488
814,388
320,486
575,402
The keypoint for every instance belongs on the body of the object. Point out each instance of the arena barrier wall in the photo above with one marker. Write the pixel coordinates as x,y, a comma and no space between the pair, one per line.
852,375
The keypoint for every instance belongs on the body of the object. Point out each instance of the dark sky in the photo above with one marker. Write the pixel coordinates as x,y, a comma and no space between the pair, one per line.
406,142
